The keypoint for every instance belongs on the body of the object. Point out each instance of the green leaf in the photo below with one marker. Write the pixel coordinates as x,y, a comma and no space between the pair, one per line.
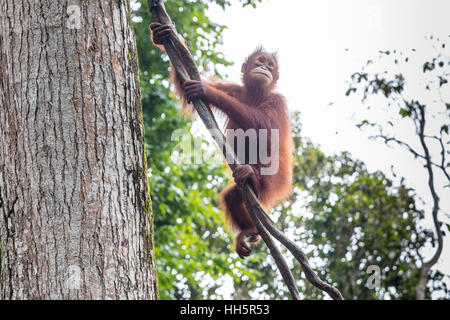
349,91
428,66
405,113
362,123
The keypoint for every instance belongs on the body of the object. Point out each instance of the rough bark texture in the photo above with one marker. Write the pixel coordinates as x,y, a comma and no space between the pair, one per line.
75,213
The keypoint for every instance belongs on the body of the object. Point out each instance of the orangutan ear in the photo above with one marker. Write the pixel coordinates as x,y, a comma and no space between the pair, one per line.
244,66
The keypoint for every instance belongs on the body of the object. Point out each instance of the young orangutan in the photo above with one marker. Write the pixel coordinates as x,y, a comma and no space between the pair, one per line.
255,106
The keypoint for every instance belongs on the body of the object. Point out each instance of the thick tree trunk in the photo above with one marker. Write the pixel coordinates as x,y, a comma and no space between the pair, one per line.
75,210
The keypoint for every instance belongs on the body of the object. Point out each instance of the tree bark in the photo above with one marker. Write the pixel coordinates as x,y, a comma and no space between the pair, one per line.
421,287
75,213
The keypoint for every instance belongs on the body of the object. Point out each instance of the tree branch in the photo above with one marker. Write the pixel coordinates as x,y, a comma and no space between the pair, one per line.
443,164
426,266
311,276
186,69
414,152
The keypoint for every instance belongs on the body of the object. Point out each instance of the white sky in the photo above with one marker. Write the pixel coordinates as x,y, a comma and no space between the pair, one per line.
311,37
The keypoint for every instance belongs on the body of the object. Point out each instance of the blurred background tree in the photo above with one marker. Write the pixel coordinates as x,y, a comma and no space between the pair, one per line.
348,219
419,105
345,217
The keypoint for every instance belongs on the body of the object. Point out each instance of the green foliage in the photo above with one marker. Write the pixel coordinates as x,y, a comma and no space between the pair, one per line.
359,219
